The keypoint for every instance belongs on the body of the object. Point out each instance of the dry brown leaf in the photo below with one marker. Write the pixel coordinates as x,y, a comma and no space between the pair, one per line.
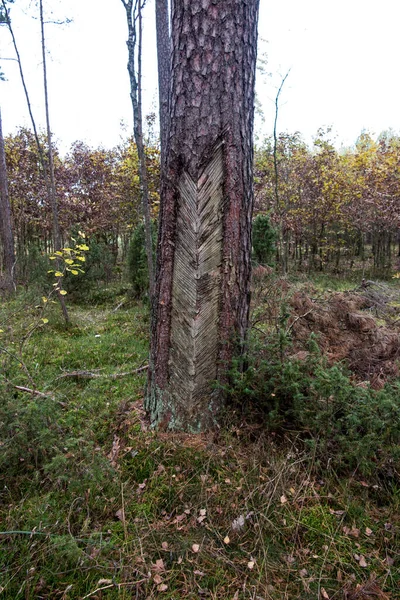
283,499
162,587
195,548
324,593
164,545
363,562
157,578
158,565
368,531
226,540
120,514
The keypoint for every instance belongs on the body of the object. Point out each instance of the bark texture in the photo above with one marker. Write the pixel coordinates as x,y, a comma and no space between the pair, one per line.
163,61
202,293
7,238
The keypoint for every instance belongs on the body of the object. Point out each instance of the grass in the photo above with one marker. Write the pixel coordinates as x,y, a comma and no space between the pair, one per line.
94,505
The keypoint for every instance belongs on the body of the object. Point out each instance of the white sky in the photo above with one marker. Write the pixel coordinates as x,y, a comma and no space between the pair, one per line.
343,58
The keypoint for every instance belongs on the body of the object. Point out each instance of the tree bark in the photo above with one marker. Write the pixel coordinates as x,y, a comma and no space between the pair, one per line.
164,69
202,294
6,231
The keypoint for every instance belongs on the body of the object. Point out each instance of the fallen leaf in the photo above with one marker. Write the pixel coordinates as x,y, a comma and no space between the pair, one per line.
199,573
363,562
201,519
303,573
162,587
195,547
164,545
283,499
238,523
368,531
324,593
104,582
250,564
157,578
120,514
202,512
226,540
158,565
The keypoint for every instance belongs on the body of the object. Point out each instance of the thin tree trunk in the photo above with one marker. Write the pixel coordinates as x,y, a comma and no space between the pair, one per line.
134,13
202,294
43,161
280,245
52,184
7,238
164,69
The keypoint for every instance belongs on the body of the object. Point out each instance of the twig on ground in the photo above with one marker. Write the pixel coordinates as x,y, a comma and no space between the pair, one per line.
21,388
114,585
91,375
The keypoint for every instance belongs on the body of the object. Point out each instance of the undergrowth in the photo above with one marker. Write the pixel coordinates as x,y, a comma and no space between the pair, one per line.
94,505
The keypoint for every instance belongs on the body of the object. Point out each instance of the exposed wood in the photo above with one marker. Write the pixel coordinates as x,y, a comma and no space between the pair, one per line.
196,287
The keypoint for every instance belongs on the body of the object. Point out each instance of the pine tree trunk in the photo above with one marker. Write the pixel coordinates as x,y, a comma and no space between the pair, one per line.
163,61
7,238
202,294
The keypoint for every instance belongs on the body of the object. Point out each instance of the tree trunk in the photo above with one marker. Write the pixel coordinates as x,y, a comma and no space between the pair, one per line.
202,294
7,238
164,69
134,13
52,184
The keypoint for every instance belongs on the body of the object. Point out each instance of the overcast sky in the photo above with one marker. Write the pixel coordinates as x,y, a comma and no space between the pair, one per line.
343,58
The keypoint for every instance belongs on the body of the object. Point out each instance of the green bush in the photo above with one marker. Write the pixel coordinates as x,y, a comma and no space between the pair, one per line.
264,237
137,261
347,426
98,268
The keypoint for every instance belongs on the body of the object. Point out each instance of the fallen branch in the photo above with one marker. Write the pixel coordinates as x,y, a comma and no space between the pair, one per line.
91,375
34,392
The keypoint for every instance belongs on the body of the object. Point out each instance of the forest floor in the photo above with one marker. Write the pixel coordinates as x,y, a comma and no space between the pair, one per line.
94,504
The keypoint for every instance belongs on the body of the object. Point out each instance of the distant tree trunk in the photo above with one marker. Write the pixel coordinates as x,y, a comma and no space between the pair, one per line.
133,14
7,238
202,294
51,185
164,69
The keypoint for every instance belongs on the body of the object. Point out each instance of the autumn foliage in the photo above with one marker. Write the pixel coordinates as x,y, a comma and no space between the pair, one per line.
332,209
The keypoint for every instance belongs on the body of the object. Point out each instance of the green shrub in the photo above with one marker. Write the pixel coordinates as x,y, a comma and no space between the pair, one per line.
98,268
137,261
264,237
347,426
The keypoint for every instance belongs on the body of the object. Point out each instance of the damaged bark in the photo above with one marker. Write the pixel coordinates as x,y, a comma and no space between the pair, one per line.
202,293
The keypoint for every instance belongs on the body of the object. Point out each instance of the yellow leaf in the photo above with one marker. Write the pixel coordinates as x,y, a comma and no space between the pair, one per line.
69,261
58,274
74,272
52,257
83,247
44,299
1,330
63,293
45,321
81,258
58,253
